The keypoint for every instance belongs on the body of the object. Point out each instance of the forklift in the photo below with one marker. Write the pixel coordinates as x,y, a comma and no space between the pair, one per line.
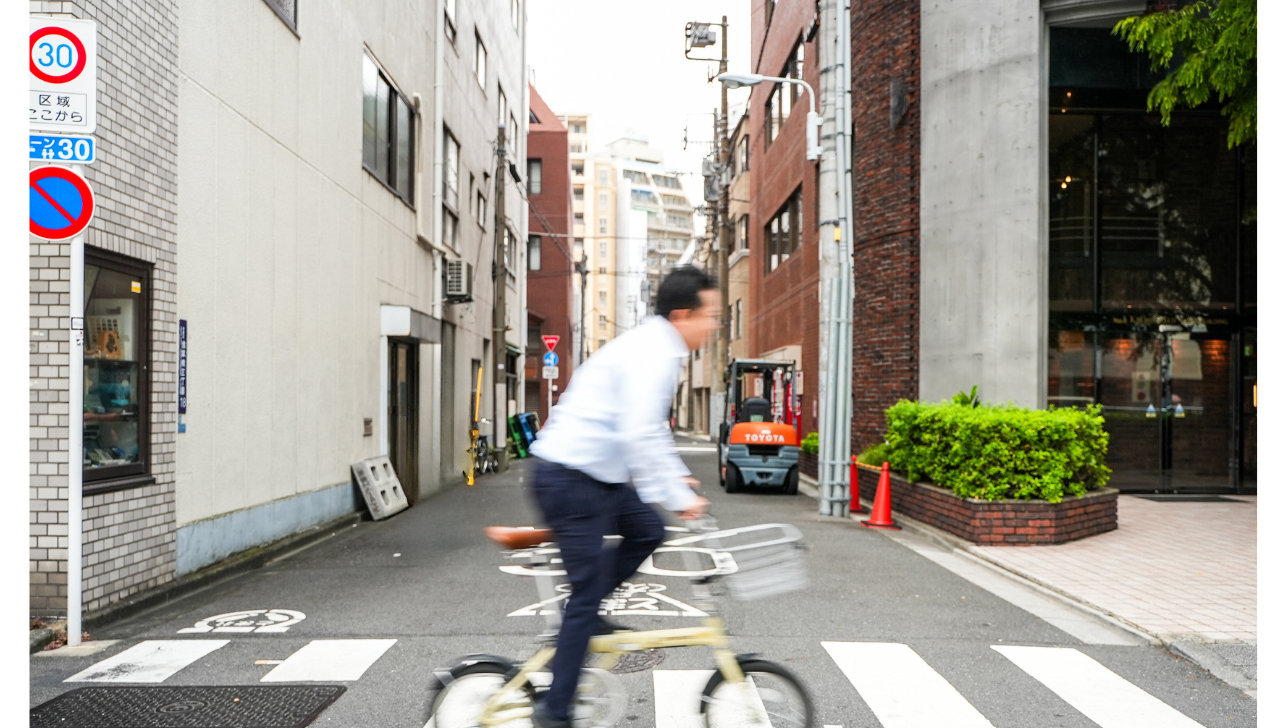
758,441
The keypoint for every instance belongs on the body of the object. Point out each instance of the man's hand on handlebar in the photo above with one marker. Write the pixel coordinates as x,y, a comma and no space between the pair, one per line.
696,510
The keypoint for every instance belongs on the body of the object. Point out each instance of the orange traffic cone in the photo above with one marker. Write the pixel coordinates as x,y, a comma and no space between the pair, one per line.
881,515
855,505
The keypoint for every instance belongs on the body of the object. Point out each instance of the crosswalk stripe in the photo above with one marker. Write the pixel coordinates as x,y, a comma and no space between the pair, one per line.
677,695
1102,695
151,661
329,661
901,688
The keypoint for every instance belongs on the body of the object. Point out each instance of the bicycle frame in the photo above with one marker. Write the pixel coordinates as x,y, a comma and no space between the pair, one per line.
498,711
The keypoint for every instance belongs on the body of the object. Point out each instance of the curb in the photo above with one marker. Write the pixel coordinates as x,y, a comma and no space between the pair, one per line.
233,565
45,635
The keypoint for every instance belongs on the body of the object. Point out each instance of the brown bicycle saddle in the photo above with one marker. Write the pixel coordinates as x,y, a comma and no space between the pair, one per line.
518,538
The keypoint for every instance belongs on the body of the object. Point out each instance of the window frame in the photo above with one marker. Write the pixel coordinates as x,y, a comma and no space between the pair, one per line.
603,226
395,100
291,23
789,214
449,141
449,28
533,252
480,69
744,233
119,477
480,202
534,179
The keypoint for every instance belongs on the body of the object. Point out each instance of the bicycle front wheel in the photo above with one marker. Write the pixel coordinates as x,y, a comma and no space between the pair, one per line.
770,696
461,702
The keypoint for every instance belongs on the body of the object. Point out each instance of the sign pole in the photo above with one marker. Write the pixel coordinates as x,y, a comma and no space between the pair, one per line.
75,437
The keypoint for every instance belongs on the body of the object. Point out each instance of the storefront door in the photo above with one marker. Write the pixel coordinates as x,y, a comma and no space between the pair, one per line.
1168,407
404,380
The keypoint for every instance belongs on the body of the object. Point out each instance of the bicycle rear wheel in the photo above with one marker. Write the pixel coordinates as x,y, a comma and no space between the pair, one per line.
460,703
771,696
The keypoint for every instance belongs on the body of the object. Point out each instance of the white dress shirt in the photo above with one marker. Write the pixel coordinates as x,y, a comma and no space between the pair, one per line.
612,421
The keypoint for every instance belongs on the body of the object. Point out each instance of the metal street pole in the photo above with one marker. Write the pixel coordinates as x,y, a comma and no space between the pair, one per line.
75,436
500,272
721,230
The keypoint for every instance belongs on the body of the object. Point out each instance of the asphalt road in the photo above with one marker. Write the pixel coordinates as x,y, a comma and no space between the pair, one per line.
428,579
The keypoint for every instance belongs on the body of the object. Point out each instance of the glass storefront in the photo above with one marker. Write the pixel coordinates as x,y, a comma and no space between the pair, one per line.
1152,274
115,407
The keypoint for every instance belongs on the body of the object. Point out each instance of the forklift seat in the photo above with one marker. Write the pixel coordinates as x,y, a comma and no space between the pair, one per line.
754,409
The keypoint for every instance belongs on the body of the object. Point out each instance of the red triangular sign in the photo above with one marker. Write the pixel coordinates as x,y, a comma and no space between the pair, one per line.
551,340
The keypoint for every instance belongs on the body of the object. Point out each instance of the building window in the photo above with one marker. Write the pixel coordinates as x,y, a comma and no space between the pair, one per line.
744,154
578,169
603,225
603,298
450,170
643,197
450,228
576,148
480,61
502,107
737,319
576,128
795,69
603,249
680,221
533,176
511,253
578,218
480,211
512,134
449,28
578,192
533,252
603,270
513,13
388,131
782,234
603,198
285,10
603,177
603,322
117,350
601,343
744,233
664,181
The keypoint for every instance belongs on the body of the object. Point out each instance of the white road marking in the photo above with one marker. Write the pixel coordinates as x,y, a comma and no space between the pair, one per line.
901,688
151,661
1102,695
1076,622
677,696
329,661
695,448
251,620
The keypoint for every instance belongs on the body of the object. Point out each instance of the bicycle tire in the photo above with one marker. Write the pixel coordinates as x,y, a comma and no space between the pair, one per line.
782,698
463,698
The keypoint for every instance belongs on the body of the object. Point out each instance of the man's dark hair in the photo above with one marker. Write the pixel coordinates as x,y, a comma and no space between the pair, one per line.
681,289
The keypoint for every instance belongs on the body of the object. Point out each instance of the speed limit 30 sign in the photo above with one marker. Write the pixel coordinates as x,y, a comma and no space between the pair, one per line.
63,73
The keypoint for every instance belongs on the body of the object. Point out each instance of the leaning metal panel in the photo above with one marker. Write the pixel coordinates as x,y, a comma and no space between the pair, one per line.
380,486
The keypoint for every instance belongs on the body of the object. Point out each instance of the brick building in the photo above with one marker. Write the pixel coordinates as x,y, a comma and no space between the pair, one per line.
550,266
781,222
1023,224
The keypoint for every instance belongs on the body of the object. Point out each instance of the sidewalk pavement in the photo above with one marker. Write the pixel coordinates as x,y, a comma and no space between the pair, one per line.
1182,572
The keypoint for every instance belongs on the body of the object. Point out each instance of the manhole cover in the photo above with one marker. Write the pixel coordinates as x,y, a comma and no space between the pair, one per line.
254,706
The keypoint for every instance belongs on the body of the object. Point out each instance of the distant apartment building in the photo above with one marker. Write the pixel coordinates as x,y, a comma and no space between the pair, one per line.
551,271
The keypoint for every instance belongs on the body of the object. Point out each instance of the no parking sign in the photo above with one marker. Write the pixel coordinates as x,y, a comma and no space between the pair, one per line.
63,73
60,203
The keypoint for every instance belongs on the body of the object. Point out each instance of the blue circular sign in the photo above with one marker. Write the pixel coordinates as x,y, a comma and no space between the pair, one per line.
551,359
60,203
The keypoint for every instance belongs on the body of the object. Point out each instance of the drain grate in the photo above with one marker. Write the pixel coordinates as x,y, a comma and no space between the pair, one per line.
254,706
638,661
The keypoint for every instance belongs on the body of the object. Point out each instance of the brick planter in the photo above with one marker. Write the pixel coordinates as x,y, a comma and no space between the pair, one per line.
809,464
998,523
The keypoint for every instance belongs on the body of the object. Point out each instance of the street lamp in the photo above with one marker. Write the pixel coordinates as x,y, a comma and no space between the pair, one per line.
813,149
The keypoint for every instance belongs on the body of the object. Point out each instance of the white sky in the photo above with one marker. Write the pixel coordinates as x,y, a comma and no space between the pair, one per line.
623,63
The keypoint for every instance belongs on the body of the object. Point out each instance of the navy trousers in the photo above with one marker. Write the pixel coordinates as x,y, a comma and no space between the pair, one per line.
581,511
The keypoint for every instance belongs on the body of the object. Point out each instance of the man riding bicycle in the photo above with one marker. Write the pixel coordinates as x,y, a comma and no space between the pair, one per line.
605,454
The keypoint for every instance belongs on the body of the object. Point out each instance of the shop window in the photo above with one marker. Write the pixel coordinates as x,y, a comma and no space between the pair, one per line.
782,234
116,406
388,131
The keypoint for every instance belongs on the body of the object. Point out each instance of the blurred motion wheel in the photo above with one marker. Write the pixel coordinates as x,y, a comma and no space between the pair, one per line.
770,696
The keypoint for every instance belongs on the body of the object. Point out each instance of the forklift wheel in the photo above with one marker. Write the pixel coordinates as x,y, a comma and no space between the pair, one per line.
733,479
792,484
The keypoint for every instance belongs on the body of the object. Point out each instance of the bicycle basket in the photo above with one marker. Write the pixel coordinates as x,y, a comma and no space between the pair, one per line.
768,558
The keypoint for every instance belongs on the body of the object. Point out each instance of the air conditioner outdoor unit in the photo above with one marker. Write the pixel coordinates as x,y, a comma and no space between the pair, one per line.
460,282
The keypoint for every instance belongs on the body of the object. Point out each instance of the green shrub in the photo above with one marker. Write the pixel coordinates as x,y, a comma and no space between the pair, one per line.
810,444
999,453
876,455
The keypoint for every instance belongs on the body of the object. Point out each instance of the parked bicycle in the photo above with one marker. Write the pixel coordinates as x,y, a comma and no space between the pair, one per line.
756,561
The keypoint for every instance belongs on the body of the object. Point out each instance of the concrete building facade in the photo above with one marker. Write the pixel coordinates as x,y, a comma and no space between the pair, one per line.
305,259
1057,245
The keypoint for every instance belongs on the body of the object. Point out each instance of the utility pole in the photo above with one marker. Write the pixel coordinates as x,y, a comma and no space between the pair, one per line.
721,229
500,352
